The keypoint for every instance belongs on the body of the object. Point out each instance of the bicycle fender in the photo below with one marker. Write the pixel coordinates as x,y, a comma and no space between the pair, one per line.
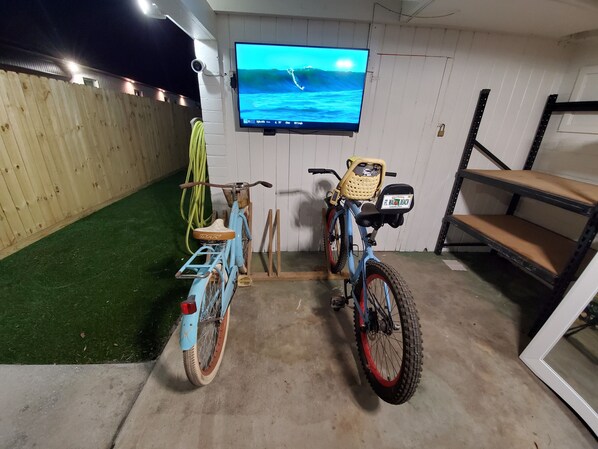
188,336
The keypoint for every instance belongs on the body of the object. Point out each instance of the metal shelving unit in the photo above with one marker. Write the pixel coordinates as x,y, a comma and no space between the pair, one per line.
547,255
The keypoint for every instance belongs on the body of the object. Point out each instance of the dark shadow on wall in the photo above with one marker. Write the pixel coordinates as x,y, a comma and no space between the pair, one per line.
308,214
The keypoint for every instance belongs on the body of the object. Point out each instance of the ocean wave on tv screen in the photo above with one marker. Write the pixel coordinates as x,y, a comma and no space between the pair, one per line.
337,107
302,80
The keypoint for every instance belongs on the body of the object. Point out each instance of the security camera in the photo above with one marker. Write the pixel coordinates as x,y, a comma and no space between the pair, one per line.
198,65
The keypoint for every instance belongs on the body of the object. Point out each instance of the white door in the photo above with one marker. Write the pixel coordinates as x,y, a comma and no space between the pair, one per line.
407,94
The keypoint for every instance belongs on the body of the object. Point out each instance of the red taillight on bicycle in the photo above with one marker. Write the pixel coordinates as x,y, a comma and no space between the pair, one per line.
189,307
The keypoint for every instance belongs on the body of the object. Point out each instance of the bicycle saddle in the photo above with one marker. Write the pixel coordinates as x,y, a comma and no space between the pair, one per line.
394,201
370,216
214,233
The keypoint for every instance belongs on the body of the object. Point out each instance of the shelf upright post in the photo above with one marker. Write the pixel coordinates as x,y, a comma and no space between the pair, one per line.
533,151
469,144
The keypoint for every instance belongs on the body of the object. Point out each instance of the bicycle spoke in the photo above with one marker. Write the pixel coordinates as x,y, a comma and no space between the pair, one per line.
379,308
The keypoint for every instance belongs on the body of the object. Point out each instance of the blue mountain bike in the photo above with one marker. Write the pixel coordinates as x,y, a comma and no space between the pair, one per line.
215,269
386,323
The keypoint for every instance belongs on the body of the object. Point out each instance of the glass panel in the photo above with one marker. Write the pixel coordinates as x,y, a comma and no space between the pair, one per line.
575,356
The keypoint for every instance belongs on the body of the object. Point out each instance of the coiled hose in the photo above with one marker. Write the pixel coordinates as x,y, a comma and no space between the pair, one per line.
199,209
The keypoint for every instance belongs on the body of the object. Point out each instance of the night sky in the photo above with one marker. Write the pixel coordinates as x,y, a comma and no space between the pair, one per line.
111,35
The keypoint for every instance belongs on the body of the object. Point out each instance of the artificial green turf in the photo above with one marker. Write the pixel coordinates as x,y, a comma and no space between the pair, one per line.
100,290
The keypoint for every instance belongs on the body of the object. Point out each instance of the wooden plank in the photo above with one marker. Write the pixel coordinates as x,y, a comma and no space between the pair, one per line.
270,240
72,157
277,225
300,276
78,149
581,192
7,209
545,248
21,191
11,196
47,108
93,122
44,133
33,153
87,138
131,176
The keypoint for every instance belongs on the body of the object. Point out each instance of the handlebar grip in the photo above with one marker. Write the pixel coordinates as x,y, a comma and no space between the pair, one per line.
392,174
318,171
266,184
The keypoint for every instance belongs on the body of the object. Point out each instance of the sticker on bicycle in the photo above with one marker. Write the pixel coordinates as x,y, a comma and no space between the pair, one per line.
397,201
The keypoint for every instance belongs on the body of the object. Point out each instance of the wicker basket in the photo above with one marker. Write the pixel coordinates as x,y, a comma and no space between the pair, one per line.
242,197
363,179
360,187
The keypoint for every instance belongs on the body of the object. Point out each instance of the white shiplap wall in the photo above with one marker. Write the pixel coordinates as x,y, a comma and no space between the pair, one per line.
425,77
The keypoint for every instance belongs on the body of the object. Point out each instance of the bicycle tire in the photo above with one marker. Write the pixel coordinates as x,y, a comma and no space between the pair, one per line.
393,384
203,360
335,262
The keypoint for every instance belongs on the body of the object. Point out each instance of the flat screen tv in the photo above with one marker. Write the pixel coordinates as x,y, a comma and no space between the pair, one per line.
298,87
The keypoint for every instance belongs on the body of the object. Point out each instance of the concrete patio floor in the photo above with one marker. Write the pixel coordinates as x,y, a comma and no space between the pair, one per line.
291,377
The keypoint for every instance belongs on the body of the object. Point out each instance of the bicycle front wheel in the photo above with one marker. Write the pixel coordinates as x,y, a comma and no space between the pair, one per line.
390,344
203,360
335,242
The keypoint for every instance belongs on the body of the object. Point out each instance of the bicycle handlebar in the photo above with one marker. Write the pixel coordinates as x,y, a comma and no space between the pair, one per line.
225,186
323,171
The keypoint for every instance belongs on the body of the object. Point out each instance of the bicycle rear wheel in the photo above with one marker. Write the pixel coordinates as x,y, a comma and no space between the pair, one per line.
203,360
390,346
335,241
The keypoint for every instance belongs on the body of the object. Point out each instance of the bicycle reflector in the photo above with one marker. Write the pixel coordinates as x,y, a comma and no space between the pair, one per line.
189,307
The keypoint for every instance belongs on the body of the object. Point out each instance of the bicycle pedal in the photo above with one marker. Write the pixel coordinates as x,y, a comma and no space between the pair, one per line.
338,302
244,280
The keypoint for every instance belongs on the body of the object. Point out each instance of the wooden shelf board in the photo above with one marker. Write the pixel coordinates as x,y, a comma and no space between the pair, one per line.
538,245
300,276
568,189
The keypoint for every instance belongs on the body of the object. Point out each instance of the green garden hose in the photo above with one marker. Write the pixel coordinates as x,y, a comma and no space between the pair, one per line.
199,209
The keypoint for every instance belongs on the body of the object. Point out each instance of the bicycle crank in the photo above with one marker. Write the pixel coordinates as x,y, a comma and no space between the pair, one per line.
338,302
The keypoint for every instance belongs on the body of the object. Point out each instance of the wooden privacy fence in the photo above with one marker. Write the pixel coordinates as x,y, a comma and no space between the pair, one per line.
67,150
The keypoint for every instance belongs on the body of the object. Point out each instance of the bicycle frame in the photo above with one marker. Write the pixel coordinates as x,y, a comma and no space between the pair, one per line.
223,258
346,208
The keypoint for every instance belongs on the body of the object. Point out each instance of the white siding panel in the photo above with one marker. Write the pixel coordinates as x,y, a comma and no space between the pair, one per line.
406,98
211,103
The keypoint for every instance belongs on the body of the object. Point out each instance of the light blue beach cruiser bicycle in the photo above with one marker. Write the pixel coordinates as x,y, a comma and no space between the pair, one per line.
214,268
386,323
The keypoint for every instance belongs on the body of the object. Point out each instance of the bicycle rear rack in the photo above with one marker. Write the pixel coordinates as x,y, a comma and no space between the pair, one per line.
201,270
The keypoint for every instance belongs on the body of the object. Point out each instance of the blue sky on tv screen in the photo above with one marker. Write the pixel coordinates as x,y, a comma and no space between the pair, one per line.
252,57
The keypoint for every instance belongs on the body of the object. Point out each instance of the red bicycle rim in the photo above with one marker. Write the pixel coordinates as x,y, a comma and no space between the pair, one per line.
366,344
